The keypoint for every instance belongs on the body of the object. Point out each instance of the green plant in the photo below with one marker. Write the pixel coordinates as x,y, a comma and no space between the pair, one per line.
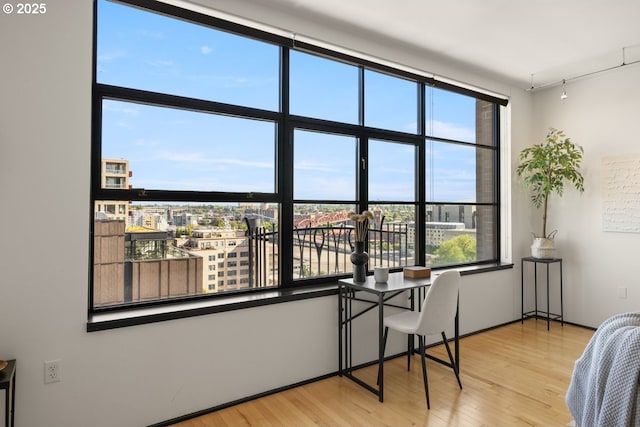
545,167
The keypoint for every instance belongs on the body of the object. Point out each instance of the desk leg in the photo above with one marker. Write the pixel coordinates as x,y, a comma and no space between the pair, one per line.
348,332
381,346
456,337
340,317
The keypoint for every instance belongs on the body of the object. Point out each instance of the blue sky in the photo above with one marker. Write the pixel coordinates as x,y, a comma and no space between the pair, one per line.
172,149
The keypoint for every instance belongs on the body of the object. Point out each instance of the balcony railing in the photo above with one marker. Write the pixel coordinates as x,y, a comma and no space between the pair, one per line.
325,251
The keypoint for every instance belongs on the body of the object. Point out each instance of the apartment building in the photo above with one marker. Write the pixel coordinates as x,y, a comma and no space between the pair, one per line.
225,258
115,174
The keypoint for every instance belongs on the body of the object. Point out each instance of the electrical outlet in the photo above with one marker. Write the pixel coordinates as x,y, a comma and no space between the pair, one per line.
52,371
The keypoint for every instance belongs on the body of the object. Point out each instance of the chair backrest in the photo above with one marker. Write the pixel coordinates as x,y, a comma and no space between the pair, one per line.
440,304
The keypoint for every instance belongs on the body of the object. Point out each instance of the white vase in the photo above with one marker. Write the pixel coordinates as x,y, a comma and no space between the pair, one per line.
542,247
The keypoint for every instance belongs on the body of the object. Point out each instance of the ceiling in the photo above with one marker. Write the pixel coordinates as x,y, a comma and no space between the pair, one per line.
508,39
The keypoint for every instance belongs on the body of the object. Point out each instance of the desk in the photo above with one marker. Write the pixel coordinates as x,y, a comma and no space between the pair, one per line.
8,383
383,292
536,312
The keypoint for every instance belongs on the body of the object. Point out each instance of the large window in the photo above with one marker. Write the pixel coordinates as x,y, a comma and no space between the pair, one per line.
217,146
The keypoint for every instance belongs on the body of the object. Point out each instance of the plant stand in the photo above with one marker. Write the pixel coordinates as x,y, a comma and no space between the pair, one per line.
536,313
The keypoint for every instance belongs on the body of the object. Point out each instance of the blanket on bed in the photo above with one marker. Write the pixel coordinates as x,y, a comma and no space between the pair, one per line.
604,385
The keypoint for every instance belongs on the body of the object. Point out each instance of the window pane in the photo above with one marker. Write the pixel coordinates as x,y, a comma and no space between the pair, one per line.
391,171
454,116
324,166
167,250
392,236
148,51
323,89
457,234
459,173
390,102
169,149
322,240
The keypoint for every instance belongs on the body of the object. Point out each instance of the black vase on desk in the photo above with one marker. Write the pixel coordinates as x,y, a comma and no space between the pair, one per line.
359,259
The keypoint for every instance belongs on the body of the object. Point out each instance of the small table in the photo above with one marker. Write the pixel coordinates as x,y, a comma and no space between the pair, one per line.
536,312
395,285
8,383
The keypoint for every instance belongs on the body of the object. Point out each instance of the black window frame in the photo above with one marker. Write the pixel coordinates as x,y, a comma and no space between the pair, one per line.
285,124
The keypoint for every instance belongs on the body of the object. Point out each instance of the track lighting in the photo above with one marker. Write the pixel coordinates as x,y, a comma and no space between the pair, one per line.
564,90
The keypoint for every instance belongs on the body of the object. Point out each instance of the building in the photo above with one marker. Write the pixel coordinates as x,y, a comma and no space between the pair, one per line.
140,264
115,175
225,255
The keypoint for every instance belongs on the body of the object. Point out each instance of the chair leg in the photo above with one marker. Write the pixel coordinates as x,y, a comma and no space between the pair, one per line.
453,363
424,369
384,347
409,350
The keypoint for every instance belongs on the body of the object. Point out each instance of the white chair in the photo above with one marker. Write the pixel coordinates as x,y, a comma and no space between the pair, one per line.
437,314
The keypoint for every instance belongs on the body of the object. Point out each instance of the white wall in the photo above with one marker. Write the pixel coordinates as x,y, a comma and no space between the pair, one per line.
601,114
145,374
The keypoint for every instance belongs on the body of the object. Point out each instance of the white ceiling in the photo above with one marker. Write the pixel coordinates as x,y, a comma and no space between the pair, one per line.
508,39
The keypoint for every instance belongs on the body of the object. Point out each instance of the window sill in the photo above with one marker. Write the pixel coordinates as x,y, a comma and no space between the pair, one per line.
141,316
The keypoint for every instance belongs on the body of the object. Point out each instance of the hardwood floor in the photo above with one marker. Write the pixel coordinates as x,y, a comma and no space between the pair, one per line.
515,375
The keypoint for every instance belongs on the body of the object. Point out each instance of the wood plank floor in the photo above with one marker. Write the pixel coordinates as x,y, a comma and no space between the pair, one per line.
515,375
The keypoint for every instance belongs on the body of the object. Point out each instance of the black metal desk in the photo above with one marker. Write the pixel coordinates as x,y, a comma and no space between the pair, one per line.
8,384
536,312
396,285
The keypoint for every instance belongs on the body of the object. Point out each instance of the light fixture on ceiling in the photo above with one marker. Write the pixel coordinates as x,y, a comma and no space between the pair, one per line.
564,90
591,73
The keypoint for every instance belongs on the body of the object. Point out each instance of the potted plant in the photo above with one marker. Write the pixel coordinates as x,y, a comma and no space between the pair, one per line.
544,168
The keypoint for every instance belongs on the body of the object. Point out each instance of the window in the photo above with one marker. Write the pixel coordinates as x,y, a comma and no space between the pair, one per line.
461,182
332,85
163,54
382,91
197,107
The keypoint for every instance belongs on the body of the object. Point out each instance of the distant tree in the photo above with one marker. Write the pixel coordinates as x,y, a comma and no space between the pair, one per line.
305,271
238,225
458,249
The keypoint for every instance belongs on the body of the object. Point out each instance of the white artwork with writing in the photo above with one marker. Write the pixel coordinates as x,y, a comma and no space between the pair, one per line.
621,193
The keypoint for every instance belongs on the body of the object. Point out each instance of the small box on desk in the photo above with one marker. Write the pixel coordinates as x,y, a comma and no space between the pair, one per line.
417,272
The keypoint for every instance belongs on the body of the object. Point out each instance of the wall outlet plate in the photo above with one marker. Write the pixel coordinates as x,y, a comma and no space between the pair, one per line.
52,371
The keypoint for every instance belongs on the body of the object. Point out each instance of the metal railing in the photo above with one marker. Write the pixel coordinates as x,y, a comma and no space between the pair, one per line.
325,250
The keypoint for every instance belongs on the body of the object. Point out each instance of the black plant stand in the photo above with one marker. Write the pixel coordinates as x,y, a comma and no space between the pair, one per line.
536,313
